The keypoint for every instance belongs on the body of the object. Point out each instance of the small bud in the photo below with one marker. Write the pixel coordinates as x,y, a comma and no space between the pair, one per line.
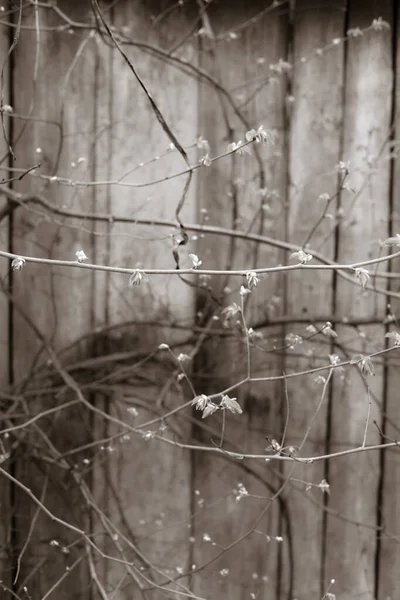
205,161
301,256
355,32
195,260
362,276
324,486
231,404
328,331
252,279
379,24
395,336
324,197
183,358
18,263
137,277
343,167
200,402
80,256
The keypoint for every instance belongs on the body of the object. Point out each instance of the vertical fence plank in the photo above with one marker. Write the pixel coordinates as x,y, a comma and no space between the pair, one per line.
143,485
389,556
314,152
5,488
354,479
245,193
54,106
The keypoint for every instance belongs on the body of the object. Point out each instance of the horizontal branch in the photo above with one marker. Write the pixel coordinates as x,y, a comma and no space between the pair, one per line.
234,272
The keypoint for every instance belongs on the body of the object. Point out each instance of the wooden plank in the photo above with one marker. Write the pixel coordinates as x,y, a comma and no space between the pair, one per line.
240,192
5,488
389,558
144,485
313,152
354,480
55,127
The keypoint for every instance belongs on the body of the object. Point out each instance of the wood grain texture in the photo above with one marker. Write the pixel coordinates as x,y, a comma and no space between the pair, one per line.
389,508
54,101
315,126
246,193
5,488
354,480
143,486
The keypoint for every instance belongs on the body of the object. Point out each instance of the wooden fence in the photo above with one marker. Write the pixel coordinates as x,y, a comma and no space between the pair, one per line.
93,503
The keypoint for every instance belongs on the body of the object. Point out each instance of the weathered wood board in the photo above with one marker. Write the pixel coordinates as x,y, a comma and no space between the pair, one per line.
357,402
5,489
314,150
54,104
388,498
143,486
246,193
